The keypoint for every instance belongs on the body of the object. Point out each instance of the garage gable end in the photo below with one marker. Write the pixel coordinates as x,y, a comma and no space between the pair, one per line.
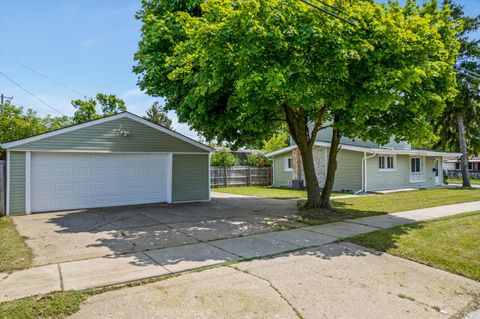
121,133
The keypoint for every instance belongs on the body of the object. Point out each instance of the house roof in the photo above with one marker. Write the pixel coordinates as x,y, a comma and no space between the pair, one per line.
103,120
372,150
471,160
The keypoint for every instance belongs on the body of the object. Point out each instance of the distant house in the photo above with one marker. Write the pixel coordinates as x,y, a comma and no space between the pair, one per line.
363,165
452,165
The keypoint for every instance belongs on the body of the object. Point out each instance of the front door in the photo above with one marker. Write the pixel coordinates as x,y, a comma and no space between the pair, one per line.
438,180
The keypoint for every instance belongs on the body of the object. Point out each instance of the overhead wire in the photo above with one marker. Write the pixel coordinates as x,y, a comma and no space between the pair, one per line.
30,93
43,76
329,12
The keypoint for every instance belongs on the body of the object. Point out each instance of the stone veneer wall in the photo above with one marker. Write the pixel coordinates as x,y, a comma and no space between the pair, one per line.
320,158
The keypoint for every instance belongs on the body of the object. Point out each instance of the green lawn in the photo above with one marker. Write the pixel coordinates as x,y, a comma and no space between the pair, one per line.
449,243
61,304
363,206
459,181
267,192
14,252
54,305
402,201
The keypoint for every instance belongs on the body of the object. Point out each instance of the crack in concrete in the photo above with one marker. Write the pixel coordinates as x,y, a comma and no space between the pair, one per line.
62,288
295,310
3,278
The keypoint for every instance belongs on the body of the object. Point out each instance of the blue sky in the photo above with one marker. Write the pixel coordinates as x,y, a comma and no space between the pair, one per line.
87,45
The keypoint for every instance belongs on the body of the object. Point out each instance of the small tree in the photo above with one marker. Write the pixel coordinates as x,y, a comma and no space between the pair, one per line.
223,158
258,159
87,110
158,115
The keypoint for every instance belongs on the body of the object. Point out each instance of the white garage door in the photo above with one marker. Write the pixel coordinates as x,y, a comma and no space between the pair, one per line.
61,181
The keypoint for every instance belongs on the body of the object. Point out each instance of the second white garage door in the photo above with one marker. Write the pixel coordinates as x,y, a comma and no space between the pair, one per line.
61,181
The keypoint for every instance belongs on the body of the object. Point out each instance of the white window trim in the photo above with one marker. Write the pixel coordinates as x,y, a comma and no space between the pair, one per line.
285,166
421,164
421,173
386,163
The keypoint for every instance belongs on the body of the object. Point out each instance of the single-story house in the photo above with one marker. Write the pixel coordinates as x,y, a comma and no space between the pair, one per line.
454,164
121,159
363,166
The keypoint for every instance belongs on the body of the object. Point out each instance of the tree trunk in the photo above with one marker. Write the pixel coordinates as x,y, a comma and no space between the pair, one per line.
332,167
313,189
305,139
463,149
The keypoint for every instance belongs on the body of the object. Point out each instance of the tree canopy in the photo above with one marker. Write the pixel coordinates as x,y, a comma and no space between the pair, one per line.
87,110
239,70
17,123
158,115
467,101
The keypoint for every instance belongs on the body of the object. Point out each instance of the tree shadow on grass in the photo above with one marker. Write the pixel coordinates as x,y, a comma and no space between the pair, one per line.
341,211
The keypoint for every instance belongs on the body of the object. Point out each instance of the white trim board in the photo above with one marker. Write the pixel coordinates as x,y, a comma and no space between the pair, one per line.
169,177
103,120
28,183
379,151
7,199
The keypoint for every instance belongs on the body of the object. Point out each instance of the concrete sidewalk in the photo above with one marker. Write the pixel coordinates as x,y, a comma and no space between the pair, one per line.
122,268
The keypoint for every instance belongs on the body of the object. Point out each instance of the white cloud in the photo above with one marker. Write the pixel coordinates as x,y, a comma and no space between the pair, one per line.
90,43
131,93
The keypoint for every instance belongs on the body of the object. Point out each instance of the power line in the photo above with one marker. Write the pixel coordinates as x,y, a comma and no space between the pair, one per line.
30,93
467,73
329,12
44,76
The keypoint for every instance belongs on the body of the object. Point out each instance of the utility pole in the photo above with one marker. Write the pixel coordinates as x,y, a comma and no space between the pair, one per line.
4,98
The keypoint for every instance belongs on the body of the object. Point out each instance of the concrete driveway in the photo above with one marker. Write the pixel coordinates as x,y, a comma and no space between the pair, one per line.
83,234
339,280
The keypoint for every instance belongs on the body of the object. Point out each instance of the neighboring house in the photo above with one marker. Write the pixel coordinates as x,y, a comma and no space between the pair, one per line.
452,165
364,166
117,160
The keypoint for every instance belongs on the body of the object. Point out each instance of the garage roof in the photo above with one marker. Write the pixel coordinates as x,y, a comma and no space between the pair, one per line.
103,120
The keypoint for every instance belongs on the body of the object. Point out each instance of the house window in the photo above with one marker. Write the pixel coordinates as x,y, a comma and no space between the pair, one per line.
415,165
386,163
288,164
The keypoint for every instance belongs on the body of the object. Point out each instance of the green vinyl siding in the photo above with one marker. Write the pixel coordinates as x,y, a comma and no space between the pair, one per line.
400,176
190,177
349,171
281,176
105,137
17,182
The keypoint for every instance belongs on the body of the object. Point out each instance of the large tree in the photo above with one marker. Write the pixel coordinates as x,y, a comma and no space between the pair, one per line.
238,70
458,128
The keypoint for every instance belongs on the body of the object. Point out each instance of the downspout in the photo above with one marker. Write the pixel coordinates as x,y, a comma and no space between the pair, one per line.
365,172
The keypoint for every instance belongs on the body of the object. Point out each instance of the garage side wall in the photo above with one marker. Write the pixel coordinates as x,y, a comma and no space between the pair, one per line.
190,178
17,182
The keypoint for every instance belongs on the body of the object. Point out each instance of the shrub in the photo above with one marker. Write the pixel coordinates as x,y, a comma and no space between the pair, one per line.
258,160
222,157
